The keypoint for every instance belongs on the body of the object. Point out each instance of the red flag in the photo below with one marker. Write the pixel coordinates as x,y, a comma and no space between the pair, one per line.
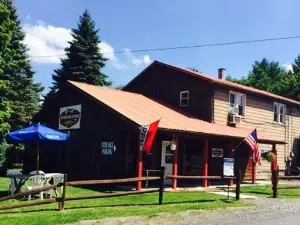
147,135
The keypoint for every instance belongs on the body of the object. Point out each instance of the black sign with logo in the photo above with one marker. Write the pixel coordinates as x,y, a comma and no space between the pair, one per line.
69,117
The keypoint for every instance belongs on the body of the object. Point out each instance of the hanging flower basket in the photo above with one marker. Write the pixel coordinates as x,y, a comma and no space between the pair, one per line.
269,156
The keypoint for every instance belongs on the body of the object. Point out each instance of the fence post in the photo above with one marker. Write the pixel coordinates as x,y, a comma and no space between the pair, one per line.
63,196
275,182
238,184
162,184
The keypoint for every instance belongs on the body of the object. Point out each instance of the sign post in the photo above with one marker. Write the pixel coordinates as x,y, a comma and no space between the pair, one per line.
228,171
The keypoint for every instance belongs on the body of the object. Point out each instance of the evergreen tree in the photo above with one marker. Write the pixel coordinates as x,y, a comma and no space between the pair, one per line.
6,29
24,96
84,60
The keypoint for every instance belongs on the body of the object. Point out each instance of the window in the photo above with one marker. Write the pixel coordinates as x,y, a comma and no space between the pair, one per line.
184,98
238,101
279,111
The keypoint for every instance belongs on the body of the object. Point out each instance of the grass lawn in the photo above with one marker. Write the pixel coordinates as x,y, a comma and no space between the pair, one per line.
266,191
108,207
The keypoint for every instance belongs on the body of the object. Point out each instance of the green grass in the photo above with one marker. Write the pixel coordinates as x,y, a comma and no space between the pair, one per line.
145,204
266,191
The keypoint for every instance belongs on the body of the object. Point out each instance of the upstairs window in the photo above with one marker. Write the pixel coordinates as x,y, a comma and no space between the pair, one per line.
279,111
184,98
237,103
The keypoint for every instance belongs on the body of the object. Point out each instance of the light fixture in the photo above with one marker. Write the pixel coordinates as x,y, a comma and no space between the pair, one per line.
173,145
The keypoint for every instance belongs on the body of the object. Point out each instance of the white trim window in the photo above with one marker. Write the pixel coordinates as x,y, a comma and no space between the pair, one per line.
237,101
184,98
279,112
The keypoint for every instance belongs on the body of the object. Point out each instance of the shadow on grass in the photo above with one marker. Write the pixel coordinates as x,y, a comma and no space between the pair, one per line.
4,194
107,206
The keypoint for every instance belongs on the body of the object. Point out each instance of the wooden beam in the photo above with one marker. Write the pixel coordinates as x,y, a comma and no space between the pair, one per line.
175,164
112,195
114,181
205,163
180,177
31,192
274,164
139,163
31,203
253,177
231,155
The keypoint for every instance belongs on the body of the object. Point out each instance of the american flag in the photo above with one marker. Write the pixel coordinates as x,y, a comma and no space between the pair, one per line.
251,141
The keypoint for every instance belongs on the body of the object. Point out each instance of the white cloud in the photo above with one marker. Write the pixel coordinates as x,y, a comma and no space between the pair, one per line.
44,41
46,45
137,61
287,67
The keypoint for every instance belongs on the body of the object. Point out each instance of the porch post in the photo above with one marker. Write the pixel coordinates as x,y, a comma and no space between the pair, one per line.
139,164
205,162
253,171
231,155
175,166
274,164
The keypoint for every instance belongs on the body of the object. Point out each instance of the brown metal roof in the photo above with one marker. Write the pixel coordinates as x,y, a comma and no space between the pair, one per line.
142,111
226,83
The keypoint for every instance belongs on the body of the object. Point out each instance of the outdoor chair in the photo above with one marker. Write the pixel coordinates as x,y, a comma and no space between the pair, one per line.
35,172
54,178
12,186
36,182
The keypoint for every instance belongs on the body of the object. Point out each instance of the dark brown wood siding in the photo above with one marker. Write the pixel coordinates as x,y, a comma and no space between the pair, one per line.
82,158
164,84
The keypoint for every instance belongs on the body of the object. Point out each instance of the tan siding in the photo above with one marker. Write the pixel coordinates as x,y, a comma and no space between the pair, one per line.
259,114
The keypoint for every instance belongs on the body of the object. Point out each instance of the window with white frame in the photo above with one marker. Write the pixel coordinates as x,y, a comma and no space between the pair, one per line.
279,111
184,98
237,101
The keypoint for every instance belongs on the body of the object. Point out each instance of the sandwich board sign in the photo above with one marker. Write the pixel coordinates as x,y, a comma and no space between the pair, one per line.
228,167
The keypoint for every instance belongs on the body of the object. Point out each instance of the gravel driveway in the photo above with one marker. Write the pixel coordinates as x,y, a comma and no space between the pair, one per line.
265,211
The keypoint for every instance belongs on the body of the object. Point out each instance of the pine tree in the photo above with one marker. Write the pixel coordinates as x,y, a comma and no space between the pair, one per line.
24,96
84,60
6,28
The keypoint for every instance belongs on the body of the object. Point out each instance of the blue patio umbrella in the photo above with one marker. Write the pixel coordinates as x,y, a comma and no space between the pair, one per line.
36,133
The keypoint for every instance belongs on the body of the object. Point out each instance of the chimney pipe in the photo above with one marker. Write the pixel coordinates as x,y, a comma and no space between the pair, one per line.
221,73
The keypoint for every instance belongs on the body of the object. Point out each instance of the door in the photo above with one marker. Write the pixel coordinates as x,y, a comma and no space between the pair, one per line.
167,159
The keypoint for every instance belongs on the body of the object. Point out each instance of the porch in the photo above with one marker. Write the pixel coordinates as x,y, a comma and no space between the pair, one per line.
197,156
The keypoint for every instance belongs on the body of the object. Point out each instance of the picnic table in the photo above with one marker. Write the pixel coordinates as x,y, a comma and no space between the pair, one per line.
19,181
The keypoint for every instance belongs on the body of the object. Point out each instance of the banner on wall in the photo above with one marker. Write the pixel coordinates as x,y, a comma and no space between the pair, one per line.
69,117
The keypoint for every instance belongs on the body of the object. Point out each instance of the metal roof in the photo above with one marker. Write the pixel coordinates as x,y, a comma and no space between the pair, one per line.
143,111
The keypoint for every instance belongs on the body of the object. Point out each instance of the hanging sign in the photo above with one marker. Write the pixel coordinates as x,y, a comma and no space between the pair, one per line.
228,167
217,152
69,117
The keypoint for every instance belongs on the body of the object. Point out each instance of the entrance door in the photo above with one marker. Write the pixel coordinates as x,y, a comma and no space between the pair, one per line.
167,159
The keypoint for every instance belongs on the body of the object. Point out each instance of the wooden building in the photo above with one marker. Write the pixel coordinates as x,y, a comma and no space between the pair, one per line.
207,117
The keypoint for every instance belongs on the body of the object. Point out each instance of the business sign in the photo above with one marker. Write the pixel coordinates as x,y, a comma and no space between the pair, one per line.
108,148
228,167
217,152
69,117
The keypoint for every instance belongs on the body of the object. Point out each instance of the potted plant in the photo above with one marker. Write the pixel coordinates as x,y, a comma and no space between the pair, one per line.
269,156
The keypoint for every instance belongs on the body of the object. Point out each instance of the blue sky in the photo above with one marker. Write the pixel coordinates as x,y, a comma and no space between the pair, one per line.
136,24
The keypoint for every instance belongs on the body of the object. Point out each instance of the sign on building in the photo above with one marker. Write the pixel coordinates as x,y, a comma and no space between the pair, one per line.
228,167
217,152
69,117
108,148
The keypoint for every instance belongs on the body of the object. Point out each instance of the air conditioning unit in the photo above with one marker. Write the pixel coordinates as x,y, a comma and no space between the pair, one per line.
234,119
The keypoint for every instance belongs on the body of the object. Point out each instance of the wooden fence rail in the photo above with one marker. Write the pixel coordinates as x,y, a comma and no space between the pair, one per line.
276,178
114,181
61,200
